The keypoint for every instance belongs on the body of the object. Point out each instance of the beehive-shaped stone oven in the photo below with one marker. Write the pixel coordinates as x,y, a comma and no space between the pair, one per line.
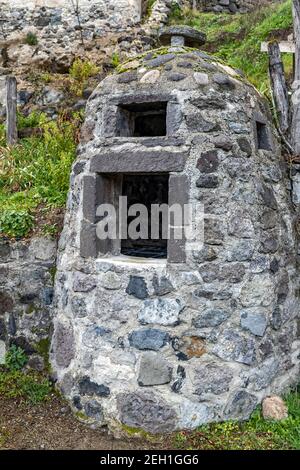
171,334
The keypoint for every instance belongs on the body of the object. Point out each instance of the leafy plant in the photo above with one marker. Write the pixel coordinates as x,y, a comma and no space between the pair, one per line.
80,72
31,39
32,387
16,223
15,358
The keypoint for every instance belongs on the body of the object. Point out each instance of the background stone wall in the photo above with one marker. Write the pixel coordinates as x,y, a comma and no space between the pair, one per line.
231,6
27,273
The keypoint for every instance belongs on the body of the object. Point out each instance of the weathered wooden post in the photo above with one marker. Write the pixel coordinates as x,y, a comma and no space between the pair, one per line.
295,126
11,111
279,85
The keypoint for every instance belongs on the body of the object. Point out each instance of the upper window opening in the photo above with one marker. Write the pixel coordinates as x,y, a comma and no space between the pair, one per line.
263,140
143,119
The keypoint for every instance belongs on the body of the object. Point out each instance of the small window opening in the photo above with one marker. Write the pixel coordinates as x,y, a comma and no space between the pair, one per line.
143,119
263,141
146,190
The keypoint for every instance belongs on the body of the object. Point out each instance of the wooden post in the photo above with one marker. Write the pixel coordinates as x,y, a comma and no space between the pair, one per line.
11,111
279,86
295,126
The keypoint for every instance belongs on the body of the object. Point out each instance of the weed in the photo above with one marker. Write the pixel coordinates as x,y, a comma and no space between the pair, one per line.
15,358
31,39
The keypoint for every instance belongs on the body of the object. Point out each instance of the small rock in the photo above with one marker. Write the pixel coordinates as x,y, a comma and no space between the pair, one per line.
154,370
274,408
150,77
201,78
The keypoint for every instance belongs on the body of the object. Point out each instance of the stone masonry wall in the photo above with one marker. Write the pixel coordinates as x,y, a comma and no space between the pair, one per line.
27,273
231,6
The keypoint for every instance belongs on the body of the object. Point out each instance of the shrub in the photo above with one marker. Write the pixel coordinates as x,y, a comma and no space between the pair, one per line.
80,72
115,60
15,358
31,39
35,174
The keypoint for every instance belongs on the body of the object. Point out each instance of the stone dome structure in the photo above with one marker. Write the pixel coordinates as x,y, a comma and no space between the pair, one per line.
174,334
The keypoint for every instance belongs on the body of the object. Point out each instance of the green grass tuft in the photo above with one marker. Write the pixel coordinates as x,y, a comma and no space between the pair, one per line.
255,434
31,387
236,38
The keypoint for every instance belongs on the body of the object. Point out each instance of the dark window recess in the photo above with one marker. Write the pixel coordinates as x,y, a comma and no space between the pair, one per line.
147,190
143,119
263,140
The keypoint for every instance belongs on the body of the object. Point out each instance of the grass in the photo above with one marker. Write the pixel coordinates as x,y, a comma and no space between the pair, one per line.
34,175
255,434
32,387
236,38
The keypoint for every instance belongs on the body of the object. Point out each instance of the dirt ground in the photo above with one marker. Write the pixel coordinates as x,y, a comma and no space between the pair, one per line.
51,426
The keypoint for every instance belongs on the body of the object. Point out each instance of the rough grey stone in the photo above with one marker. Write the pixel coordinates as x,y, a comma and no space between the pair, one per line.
6,303
87,387
160,60
212,378
137,287
241,250
207,181
245,146
111,281
93,409
263,375
83,283
269,242
154,370
162,285
254,321
127,77
241,405
232,346
209,272
267,196
241,227
160,311
201,78
147,411
210,317
79,306
93,336
223,142
148,339
176,76
197,123
63,344
233,273
223,81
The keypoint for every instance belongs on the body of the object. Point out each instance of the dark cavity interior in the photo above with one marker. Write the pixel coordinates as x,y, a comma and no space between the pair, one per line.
143,119
146,190
263,142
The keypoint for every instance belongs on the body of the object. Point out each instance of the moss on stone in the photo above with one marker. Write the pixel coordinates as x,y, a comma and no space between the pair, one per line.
42,347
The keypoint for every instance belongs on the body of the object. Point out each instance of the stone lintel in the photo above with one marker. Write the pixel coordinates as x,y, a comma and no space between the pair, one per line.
139,162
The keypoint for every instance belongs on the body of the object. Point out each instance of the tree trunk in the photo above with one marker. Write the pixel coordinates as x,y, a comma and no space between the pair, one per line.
295,127
11,111
279,86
